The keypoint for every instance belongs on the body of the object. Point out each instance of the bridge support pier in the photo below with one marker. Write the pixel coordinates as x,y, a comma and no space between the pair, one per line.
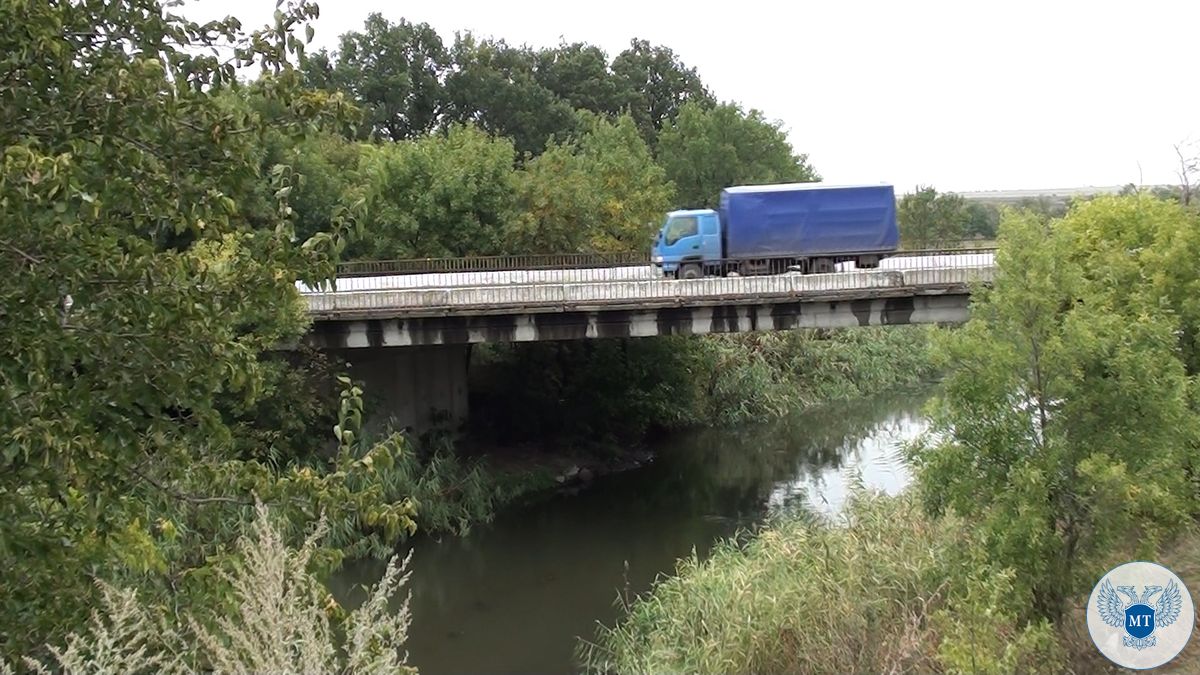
415,387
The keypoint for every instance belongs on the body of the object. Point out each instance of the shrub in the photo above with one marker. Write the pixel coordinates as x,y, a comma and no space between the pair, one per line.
281,622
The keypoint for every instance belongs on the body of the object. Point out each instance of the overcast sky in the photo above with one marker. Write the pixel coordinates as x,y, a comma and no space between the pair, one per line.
960,95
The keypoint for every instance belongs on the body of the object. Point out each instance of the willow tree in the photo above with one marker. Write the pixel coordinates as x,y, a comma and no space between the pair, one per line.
1065,427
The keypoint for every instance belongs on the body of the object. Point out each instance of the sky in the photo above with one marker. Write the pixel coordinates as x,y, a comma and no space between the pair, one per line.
962,95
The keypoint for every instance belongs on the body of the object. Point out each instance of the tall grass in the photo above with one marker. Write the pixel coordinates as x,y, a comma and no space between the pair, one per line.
609,390
887,591
449,493
750,376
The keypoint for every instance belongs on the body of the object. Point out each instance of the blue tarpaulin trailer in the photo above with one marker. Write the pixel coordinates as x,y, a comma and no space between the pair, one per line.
772,228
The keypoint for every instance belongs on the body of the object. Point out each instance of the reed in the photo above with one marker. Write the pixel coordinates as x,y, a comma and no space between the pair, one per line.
887,590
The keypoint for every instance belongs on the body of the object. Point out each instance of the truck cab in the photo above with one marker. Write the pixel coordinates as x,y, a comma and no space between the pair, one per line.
687,240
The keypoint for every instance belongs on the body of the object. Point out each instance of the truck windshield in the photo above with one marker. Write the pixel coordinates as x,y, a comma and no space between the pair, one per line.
680,227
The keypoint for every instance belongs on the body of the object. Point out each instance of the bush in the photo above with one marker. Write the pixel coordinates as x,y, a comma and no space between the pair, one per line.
280,622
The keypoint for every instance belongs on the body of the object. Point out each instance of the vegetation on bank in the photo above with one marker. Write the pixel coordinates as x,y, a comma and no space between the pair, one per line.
278,620
1066,438
885,590
612,391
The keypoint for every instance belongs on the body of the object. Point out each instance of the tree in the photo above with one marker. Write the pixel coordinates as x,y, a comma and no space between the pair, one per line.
927,218
395,71
492,86
656,85
149,265
444,195
597,191
1064,426
982,220
1189,169
705,149
578,73
1141,251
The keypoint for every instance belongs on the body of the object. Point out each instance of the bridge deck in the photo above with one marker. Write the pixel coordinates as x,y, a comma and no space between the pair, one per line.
630,287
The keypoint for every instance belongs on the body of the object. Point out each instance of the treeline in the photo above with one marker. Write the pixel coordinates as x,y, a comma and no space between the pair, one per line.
931,219
482,148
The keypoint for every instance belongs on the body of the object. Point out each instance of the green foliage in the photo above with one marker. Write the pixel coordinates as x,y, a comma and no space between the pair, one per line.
441,196
279,623
706,148
1141,251
928,219
599,190
982,221
395,71
150,264
578,73
1065,421
745,377
445,494
655,86
586,390
493,86
616,389
887,590
329,180
411,84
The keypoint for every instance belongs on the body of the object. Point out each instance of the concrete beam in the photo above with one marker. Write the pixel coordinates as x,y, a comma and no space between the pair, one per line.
948,307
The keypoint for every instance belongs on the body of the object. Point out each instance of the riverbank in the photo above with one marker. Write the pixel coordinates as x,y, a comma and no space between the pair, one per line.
891,589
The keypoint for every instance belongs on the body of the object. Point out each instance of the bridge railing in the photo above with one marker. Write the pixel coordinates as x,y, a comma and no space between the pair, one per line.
492,263
560,261
645,287
642,271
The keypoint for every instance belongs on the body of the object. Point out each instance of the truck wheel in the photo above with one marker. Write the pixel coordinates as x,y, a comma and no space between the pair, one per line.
691,272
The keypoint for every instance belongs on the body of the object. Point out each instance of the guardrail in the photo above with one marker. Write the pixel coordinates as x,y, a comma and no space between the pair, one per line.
560,261
493,263
629,272
570,290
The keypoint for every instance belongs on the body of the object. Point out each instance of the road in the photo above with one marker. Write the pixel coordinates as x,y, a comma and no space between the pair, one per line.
438,280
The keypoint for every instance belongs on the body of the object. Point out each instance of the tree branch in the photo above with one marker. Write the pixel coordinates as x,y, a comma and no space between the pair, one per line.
32,259
193,499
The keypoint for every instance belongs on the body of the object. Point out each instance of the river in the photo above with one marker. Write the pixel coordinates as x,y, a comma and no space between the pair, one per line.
514,596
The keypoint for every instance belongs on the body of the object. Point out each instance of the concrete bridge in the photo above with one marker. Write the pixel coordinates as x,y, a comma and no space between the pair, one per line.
634,301
409,335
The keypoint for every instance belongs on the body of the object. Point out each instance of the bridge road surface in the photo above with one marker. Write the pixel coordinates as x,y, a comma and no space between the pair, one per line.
445,280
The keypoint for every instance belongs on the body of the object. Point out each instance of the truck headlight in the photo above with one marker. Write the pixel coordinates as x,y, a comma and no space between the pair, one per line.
657,259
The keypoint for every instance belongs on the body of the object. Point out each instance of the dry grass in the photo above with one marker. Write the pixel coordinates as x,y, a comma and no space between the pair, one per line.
1184,559
281,623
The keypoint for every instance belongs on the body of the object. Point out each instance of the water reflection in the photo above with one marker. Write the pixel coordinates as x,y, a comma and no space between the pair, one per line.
513,596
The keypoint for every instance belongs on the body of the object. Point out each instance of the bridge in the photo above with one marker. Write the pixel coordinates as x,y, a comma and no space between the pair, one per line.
407,326
630,300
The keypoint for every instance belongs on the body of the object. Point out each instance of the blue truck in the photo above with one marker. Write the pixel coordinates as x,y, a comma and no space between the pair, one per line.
770,229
